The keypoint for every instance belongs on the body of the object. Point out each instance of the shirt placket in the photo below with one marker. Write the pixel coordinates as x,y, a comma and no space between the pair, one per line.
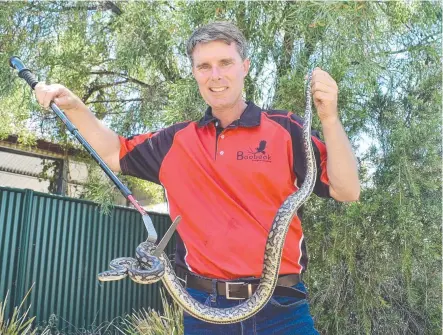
220,136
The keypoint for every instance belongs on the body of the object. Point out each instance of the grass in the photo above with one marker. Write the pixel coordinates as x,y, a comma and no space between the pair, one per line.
19,323
144,322
151,322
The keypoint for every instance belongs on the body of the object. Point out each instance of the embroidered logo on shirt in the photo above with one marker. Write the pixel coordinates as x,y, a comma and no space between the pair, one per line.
256,155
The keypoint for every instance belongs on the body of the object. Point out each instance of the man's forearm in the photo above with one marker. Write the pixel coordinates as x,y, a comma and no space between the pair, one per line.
104,141
341,164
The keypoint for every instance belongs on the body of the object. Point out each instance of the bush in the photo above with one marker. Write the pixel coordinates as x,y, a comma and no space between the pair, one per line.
151,322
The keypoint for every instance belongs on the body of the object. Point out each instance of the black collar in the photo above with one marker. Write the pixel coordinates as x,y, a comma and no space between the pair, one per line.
249,118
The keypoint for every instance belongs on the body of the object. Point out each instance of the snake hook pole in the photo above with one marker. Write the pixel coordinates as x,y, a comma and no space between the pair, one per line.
29,77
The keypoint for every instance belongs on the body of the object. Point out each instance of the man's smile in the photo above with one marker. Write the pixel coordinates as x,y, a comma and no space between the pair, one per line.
218,89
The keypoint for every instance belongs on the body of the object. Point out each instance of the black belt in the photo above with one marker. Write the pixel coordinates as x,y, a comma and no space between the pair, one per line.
240,289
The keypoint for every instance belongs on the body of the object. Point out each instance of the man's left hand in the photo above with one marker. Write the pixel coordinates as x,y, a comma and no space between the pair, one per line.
325,93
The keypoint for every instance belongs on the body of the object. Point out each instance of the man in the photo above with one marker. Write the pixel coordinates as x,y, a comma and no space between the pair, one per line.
227,175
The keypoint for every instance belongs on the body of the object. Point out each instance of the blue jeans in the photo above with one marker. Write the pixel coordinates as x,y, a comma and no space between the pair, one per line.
281,315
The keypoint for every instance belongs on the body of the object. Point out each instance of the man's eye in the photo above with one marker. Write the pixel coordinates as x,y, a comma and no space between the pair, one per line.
203,67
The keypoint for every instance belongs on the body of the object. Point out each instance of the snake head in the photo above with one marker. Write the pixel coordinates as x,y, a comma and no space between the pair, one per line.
151,269
147,247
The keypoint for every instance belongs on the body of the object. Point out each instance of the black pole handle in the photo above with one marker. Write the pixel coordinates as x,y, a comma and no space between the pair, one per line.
27,75
23,72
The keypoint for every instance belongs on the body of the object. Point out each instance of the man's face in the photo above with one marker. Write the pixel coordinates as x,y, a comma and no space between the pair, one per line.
219,72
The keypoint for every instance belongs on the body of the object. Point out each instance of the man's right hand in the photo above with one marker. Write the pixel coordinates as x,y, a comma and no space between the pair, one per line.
60,95
100,137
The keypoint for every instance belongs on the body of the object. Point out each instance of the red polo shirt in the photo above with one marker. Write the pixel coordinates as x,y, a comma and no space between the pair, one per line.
227,185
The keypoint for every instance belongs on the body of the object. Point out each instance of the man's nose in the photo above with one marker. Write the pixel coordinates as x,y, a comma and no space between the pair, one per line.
215,73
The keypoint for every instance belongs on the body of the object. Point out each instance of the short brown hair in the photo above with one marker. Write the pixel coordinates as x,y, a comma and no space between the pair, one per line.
218,31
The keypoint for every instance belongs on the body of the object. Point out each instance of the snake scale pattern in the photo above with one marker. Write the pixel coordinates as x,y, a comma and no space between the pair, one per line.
147,269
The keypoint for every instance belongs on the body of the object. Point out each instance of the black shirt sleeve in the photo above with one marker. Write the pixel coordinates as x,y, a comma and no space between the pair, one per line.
142,155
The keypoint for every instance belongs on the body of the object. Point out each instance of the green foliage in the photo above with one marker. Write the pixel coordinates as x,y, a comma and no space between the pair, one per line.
19,323
50,172
152,191
375,265
152,322
100,189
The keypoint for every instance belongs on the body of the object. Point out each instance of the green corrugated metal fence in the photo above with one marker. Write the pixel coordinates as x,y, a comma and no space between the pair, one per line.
59,245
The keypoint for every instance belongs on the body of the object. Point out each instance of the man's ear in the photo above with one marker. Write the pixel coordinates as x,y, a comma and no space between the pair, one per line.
246,65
